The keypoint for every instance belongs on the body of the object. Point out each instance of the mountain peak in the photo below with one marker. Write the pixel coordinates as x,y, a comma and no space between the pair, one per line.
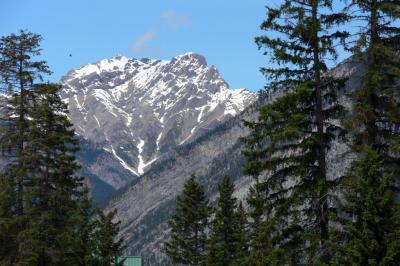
120,57
137,110
191,58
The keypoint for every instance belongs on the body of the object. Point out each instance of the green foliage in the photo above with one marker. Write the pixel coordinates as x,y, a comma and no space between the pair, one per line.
283,146
241,236
7,223
260,245
287,145
369,212
227,239
371,215
376,115
106,247
18,71
94,237
188,226
46,217
17,68
302,31
50,186
82,217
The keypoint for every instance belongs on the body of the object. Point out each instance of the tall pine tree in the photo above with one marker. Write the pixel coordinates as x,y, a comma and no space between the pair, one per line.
260,245
371,227
241,236
226,239
370,210
107,247
188,225
18,72
287,146
83,217
376,114
42,198
50,187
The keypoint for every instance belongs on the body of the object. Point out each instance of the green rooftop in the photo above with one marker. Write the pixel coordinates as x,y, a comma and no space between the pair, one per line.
130,260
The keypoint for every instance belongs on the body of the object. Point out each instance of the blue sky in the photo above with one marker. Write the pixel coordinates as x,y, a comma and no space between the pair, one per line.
90,30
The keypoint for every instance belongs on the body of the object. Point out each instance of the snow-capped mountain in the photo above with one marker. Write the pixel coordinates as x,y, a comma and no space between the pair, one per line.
132,111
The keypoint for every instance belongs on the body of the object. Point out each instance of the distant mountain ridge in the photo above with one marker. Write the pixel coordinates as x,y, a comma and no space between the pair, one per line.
130,112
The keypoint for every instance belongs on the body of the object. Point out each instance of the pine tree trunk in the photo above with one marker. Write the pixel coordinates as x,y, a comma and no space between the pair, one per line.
371,128
195,263
322,204
20,151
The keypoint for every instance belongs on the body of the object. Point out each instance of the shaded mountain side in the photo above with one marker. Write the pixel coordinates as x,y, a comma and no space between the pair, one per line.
95,162
145,205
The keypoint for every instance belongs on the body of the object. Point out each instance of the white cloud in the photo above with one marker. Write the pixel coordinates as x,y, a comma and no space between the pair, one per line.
175,21
141,43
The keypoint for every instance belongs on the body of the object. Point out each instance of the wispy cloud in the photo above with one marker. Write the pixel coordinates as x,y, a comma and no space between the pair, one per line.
141,43
175,21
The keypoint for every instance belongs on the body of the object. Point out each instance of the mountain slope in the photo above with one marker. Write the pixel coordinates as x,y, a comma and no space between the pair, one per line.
132,112
145,205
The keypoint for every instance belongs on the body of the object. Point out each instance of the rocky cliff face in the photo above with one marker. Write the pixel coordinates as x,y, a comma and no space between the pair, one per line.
131,112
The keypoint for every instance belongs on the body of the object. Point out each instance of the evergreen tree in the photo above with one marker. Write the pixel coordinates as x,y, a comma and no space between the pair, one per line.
370,212
50,185
107,248
188,225
7,224
286,149
225,228
371,229
45,213
376,111
18,71
84,246
241,237
260,246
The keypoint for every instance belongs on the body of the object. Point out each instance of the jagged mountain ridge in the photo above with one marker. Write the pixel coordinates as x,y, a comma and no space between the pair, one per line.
131,112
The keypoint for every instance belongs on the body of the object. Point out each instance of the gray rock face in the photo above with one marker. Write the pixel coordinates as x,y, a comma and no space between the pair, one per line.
132,112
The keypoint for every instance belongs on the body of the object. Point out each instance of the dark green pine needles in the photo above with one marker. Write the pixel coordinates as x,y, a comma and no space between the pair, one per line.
228,243
371,226
188,226
376,116
18,72
50,184
46,217
287,145
370,209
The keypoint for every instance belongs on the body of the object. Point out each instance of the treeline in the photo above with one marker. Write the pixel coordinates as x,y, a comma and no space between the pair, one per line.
46,215
298,214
